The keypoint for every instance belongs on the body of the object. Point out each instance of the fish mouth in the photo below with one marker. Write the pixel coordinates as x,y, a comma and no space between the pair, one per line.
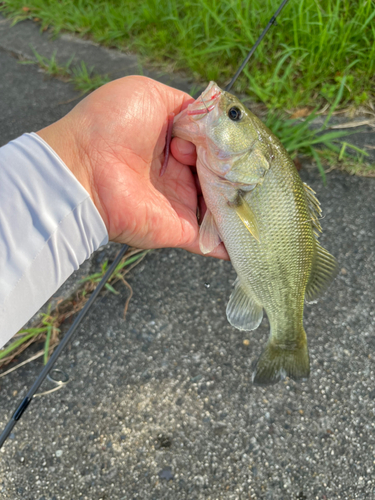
187,124
206,102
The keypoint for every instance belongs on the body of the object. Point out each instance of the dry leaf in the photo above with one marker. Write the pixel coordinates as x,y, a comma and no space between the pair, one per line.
301,113
297,163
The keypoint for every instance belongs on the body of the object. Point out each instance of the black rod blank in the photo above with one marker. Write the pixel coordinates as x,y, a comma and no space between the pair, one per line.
253,49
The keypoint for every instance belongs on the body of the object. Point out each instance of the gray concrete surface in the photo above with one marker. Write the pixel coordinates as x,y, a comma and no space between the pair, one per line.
161,405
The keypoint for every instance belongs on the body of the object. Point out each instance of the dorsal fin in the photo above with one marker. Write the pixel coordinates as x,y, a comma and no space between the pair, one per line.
324,270
314,207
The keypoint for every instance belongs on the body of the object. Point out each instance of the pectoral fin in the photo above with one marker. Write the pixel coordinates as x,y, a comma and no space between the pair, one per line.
209,237
247,216
242,310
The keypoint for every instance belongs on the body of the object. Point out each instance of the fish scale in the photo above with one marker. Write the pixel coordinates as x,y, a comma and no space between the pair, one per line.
269,222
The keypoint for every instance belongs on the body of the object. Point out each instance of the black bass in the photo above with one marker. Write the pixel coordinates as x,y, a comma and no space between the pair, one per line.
268,220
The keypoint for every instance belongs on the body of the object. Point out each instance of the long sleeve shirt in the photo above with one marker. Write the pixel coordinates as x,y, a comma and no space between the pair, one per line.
48,226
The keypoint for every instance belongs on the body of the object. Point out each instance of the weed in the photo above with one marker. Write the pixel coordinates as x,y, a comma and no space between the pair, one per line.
352,165
47,328
50,66
84,79
299,137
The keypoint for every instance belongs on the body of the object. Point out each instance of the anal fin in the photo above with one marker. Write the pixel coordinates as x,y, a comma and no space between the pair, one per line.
209,237
242,311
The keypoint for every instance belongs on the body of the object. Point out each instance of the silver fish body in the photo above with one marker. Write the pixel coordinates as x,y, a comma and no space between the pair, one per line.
268,221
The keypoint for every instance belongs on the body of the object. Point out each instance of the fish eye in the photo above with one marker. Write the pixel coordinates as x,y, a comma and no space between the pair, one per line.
235,114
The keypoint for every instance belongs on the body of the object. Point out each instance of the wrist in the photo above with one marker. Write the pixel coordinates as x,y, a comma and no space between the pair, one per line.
63,142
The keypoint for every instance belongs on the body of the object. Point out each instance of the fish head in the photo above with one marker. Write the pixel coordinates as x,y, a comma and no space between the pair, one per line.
228,131
193,123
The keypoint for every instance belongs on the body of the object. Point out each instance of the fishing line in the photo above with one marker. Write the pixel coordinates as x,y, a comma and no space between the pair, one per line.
59,382
48,367
253,49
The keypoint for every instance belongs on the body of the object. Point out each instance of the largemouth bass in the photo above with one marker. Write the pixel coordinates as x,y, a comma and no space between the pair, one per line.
268,220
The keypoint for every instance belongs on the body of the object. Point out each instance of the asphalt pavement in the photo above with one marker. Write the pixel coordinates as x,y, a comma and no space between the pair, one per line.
160,405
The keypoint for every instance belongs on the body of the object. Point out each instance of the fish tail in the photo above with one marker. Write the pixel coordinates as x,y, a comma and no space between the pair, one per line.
280,361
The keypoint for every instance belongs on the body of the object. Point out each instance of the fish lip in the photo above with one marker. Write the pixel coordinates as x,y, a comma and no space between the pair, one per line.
209,99
207,105
201,111
185,127
187,124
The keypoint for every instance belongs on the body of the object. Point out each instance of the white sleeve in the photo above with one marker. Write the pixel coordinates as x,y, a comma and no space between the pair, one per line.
48,227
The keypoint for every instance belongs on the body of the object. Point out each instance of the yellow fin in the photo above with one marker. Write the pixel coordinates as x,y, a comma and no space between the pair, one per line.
247,216
324,268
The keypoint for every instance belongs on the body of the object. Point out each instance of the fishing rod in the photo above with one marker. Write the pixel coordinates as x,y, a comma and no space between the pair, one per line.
48,367
254,47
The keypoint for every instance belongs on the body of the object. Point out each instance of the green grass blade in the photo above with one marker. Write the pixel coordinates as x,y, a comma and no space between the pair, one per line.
4,353
111,289
46,344
316,157
336,101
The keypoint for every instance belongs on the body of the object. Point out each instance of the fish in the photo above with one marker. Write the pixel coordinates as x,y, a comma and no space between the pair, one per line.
268,220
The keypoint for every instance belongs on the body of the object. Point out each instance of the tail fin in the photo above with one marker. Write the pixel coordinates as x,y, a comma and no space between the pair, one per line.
276,363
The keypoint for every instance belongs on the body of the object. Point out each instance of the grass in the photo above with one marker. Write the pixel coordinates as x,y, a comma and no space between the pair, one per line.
301,62
297,136
84,79
353,165
322,144
47,328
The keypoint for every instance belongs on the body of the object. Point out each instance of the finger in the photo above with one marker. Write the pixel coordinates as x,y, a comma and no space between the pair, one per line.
186,103
219,252
183,151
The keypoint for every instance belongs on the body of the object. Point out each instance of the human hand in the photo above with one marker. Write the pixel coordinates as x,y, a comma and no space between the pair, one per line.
113,142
